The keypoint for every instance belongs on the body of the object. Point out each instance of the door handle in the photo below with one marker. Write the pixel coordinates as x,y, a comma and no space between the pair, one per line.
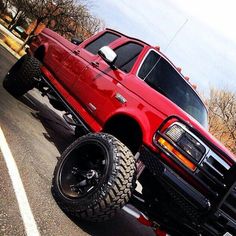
76,52
95,64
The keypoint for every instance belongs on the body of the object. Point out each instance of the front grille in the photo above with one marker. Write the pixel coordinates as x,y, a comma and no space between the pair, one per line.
215,165
224,220
228,207
216,169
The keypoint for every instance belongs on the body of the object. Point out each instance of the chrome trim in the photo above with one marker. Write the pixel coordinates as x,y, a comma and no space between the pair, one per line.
194,136
209,153
167,60
120,98
147,53
136,214
227,234
219,160
210,165
92,107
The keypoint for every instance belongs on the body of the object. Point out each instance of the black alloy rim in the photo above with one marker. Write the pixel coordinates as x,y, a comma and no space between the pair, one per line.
83,170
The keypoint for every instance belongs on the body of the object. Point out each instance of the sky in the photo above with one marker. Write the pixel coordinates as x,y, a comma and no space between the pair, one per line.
198,36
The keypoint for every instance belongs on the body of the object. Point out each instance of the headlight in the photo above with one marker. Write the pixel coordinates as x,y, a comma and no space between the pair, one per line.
186,141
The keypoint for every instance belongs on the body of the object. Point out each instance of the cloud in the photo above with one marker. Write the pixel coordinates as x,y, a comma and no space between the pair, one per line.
145,19
204,47
219,15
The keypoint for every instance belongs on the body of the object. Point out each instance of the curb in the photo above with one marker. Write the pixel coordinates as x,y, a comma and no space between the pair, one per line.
16,55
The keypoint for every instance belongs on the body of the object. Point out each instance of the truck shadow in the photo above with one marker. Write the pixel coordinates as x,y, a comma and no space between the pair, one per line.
58,132
122,224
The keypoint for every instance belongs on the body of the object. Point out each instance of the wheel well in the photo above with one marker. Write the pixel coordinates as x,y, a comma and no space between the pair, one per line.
39,53
127,130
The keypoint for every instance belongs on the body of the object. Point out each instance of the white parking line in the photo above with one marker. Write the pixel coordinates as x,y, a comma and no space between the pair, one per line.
25,210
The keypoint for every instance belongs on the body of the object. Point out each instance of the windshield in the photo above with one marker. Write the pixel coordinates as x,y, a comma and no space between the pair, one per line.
161,76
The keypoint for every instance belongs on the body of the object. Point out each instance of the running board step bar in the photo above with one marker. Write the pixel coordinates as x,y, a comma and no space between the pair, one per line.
69,119
71,111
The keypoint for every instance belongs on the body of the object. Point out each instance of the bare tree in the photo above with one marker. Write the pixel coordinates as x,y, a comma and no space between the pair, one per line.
86,24
70,18
62,22
79,22
4,4
222,117
20,6
43,11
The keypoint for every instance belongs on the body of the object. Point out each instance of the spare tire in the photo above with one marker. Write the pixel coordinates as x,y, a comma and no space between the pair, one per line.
94,177
19,79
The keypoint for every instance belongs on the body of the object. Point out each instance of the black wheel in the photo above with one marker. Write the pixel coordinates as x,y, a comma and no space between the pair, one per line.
19,80
93,179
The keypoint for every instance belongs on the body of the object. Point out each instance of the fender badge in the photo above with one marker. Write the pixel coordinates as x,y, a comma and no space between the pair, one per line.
120,98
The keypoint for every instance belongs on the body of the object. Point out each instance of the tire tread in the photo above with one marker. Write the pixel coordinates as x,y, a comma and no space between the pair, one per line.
18,82
117,193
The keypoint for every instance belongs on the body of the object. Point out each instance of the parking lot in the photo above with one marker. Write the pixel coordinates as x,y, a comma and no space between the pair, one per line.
36,135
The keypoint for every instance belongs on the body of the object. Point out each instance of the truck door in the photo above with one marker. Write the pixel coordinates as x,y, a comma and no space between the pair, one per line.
101,85
78,67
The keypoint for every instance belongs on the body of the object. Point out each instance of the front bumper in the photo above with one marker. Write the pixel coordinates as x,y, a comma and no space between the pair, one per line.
170,179
214,219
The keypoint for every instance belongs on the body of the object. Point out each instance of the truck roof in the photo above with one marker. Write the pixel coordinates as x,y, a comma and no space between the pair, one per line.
157,48
124,35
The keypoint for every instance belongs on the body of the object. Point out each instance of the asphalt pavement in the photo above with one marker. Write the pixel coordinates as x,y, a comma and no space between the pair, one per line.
37,135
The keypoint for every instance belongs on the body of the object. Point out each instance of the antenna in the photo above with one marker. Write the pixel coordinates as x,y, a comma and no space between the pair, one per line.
171,40
174,36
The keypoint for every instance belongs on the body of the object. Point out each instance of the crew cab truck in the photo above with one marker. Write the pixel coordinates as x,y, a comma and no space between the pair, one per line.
138,121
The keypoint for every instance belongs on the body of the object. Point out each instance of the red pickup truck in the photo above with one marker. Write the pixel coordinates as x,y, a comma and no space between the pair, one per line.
140,123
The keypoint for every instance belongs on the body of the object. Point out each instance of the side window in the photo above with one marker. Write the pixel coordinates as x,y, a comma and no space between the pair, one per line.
127,55
104,40
148,67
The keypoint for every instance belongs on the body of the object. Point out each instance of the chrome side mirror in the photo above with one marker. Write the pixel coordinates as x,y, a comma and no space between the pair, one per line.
108,55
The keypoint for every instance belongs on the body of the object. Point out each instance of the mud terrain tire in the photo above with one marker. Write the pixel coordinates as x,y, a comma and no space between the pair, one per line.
115,165
19,79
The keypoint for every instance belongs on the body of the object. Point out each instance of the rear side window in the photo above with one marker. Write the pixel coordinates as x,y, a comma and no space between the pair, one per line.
127,54
104,40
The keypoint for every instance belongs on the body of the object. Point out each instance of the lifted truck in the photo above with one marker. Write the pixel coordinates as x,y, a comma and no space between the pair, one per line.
138,121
